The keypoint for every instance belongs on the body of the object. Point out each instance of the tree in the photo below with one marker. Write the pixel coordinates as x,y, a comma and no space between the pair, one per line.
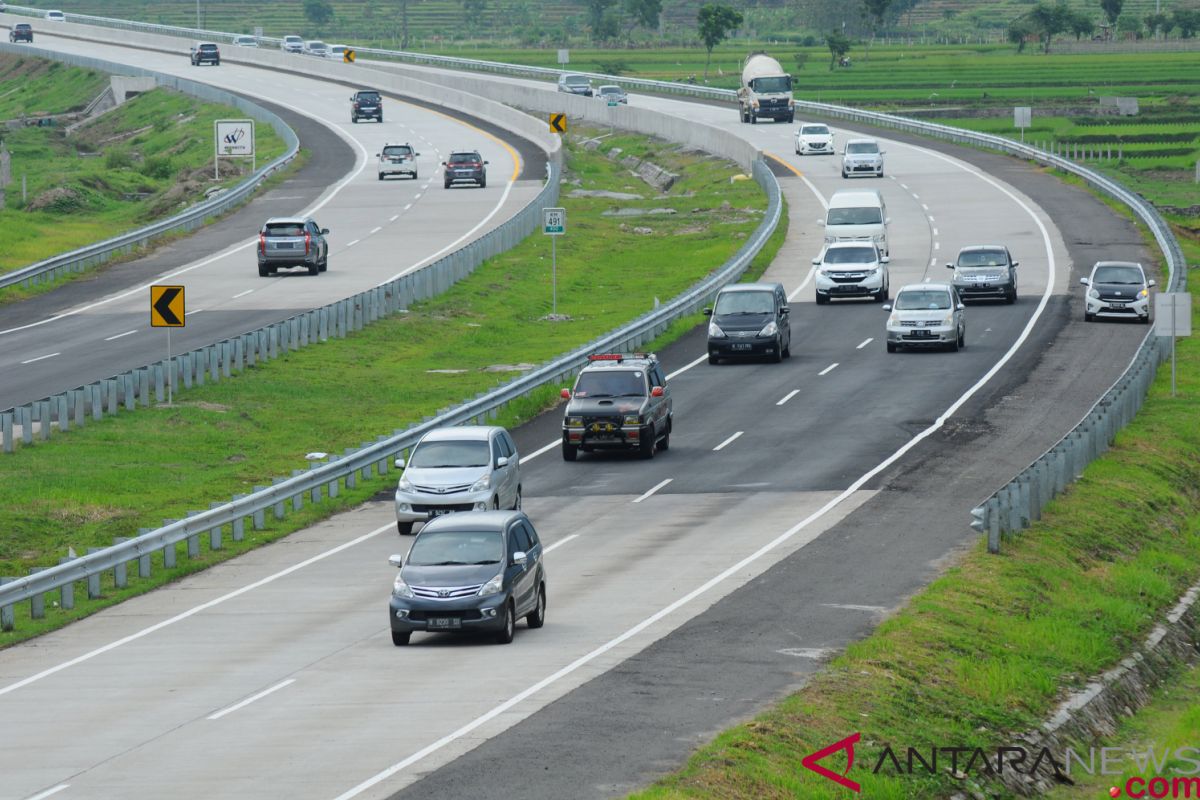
404,23
715,22
642,13
1019,31
1112,9
1187,20
1080,24
874,11
1159,22
318,12
475,8
1048,21
596,9
839,45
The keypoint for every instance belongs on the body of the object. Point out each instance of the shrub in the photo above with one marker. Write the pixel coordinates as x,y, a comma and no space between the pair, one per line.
118,159
613,67
159,167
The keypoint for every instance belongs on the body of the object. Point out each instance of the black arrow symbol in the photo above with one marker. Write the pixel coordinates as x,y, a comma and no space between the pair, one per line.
163,305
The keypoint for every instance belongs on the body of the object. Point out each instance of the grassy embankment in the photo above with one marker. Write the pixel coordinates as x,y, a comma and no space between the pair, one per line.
143,161
85,487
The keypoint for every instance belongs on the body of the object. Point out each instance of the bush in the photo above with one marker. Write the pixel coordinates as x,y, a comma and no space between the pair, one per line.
801,60
613,67
118,159
159,167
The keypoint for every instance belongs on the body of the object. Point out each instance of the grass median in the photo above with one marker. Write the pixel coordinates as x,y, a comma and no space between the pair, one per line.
83,488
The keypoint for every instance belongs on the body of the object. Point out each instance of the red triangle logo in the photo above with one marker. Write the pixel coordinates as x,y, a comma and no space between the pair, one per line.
847,744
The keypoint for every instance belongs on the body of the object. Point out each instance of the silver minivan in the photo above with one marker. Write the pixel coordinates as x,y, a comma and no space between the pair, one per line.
857,215
468,468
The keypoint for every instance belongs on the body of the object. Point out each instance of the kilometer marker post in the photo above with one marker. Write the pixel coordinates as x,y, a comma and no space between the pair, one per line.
554,225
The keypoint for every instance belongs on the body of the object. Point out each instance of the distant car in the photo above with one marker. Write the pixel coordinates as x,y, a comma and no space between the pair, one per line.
750,320
206,53
316,48
812,137
287,242
611,92
56,16
620,402
852,269
985,272
366,104
398,159
478,571
926,315
337,52
292,44
575,84
3,6
1118,290
245,41
862,157
465,166
21,32
465,468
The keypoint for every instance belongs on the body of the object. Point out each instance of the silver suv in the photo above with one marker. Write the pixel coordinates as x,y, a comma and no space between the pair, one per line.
575,84
852,269
862,157
926,315
469,468
292,242
1117,289
397,159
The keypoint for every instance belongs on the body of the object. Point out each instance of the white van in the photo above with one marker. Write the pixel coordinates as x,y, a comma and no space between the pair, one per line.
857,215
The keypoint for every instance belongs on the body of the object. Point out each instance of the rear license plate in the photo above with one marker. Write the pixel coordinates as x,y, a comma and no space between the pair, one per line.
444,623
740,346
285,245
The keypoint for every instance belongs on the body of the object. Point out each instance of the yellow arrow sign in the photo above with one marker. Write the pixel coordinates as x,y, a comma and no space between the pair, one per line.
558,123
166,307
348,56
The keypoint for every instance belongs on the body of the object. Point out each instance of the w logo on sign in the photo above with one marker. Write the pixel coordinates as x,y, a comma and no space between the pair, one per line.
236,136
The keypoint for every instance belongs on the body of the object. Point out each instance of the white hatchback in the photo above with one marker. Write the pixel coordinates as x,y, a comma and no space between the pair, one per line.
926,315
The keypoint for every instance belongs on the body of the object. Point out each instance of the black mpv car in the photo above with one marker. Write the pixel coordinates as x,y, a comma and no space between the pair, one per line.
366,104
750,319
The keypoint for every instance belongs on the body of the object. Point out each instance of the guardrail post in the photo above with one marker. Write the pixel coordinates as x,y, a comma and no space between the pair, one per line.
37,603
6,430
44,421
316,491
186,363
251,348
193,540
63,412
144,564
334,485
260,514
1012,500
201,363
66,592
214,535
159,384
239,523
77,396
239,353
227,358
25,415
368,470
303,325
279,510
383,463
120,572
352,475
97,401
130,392
273,342
298,497
143,375
93,580
214,362
1026,502
7,617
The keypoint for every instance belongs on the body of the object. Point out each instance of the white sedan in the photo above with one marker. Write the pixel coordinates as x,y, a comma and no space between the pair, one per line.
812,137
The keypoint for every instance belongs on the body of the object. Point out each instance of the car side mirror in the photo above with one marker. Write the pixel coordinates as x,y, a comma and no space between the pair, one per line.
519,558
816,261
949,265
396,561
379,155
501,462
785,310
887,306
882,152
887,221
324,231
657,391
565,394
400,463
708,312
444,164
885,259
961,307
416,154
1085,281
486,162
821,222
1152,283
1016,263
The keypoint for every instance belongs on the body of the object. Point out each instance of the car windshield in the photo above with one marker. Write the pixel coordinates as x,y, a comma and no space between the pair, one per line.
744,303
931,299
611,383
850,255
316,45
293,39
610,90
456,548
450,454
982,258
1126,275
862,147
777,83
855,216
397,150
464,158
576,80
814,130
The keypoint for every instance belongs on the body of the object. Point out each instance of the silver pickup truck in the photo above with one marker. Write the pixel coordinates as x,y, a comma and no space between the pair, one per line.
292,242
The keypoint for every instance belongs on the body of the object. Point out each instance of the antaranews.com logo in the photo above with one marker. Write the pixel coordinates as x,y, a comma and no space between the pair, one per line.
1177,769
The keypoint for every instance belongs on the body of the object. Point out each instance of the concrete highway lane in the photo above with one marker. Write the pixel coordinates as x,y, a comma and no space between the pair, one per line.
379,230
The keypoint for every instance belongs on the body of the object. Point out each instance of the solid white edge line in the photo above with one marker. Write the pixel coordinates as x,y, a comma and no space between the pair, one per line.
730,440
126,333
241,294
252,698
48,792
194,311
866,342
828,369
12,687
937,245
41,358
788,396
561,541
654,489
931,219
769,546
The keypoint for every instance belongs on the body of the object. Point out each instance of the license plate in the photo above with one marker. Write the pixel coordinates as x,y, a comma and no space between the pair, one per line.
741,346
922,333
1116,305
285,245
439,512
444,623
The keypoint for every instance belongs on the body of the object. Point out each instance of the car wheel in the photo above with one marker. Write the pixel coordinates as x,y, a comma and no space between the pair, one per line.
354,119
537,617
414,175
1145,320
646,445
314,268
446,184
753,118
954,345
263,272
324,262
483,183
517,502
404,528
1011,297
217,63
400,639
962,339
777,356
787,350
791,118
821,299
570,452
665,442
381,176
844,173
880,175
380,119
1088,317
713,359
505,635
891,347
880,296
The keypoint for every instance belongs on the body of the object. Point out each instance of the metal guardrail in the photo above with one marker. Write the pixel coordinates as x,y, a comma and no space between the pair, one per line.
187,220
315,482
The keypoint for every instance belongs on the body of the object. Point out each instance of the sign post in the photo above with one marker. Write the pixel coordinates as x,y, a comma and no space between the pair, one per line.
554,225
233,137
564,56
167,311
1173,317
1022,116
558,123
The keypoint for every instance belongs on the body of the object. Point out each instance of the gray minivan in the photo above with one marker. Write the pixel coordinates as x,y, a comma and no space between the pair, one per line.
749,319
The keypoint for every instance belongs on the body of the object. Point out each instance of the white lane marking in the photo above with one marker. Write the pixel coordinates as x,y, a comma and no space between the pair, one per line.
241,294
376,230
924,206
654,489
930,219
937,245
252,698
394,217
788,396
916,196
904,186
49,792
417,196
865,343
852,607
538,452
561,541
730,440
407,207
216,601
935,231
41,358
828,369
816,653
351,244
933,261
193,311
119,335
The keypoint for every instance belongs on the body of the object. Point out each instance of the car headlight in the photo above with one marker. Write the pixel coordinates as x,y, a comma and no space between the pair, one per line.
949,320
1143,294
825,273
400,588
893,321
574,422
830,238
404,485
874,272
1094,294
715,331
770,329
632,419
493,586
482,484
877,238
791,103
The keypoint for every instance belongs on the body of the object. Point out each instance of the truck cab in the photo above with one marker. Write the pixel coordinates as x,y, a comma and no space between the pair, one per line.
766,91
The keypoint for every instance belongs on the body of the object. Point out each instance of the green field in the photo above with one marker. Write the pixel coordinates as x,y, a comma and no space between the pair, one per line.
143,161
87,486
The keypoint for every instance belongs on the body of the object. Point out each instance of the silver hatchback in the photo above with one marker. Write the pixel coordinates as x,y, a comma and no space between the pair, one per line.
469,468
926,315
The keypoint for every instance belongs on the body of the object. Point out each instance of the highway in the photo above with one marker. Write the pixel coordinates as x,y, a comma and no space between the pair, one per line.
798,504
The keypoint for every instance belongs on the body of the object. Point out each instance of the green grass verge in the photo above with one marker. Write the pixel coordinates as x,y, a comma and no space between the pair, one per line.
83,488
148,159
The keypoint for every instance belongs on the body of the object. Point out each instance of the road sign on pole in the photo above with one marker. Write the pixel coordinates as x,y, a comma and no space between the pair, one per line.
564,56
348,56
558,123
1022,117
1173,317
167,311
234,137
554,225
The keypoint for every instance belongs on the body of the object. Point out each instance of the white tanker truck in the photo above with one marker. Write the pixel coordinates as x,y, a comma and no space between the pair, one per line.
766,91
